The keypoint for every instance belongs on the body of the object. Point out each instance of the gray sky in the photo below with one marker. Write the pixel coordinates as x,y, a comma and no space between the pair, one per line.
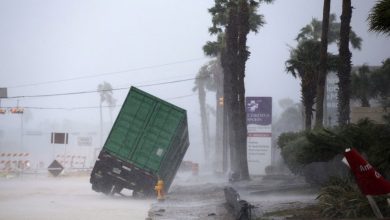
141,43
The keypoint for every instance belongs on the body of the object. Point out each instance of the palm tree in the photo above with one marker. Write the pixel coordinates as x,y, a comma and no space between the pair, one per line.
380,79
105,92
379,17
361,86
205,80
235,19
322,67
313,31
344,70
303,64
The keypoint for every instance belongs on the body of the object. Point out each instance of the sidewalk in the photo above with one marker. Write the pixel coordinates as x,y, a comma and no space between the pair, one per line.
202,197
193,197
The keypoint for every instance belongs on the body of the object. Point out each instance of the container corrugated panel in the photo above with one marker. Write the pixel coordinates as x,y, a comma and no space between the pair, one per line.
146,131
171,164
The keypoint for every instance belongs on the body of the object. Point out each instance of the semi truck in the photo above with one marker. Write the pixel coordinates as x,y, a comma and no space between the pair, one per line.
147,143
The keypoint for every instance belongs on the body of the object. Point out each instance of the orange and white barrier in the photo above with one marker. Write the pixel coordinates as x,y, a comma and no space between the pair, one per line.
11,162
71,161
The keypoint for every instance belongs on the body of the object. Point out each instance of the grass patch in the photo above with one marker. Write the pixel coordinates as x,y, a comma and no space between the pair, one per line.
308,212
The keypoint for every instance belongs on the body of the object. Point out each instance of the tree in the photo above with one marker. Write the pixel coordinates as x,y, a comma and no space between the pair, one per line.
380,79
322,67
232,21
105,92
361,86
303,63
344,70
204,80
290,119
379,17
313,32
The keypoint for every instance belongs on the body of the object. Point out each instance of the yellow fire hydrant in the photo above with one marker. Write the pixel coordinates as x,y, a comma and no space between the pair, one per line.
160,190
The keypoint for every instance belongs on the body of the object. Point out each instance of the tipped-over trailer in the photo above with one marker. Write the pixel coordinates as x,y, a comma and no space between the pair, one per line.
147,142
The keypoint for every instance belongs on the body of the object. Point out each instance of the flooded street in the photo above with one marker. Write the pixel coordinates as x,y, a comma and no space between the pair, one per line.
45,197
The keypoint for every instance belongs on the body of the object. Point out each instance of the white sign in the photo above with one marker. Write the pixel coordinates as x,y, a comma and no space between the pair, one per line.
84,141
259,139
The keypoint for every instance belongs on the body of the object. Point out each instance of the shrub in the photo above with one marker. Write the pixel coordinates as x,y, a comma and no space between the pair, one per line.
301,149
292,152
341,198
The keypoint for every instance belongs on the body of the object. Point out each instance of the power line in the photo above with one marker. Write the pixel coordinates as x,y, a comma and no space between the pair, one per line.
108,73
88,107
95,91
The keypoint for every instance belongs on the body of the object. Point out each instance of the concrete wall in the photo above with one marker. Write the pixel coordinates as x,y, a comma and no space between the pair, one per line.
373,113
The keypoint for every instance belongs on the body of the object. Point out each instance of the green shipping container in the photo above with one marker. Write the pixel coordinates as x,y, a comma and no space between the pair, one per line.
147,141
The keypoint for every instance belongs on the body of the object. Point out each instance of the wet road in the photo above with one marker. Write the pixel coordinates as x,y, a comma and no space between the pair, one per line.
63,198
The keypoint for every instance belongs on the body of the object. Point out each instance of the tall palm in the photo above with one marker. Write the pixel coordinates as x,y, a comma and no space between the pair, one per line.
106,95
379,17
344,70
205,80
313,31
235,19
303,64
220,133
322,68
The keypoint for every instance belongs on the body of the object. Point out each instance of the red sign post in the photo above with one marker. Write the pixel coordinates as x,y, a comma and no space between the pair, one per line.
368,179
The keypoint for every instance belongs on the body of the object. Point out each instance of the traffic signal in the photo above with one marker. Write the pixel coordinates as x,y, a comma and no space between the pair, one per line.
16,110
220,101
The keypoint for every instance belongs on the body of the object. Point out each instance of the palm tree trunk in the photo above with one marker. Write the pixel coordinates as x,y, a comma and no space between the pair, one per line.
308,91
243,56
323,64
220,150
229,63
344,68
364,101
101,125
308,115
204,122
308,105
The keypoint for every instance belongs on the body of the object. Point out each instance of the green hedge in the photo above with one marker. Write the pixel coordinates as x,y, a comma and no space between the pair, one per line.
303,148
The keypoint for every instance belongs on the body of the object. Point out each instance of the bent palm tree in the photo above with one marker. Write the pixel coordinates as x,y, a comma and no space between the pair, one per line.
312,31
205,80
303,64
379,17
105,91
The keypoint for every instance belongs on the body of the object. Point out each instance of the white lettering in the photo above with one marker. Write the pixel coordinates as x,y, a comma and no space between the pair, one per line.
365,168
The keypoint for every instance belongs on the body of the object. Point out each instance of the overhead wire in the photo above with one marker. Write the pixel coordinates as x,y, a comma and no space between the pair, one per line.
88,107
108,73
96,91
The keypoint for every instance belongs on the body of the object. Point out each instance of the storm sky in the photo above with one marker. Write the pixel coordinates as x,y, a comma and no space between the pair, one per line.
56,47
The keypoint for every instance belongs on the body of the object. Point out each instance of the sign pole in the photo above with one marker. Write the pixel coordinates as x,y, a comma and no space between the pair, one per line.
374,207
368,179
388,199
52,145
